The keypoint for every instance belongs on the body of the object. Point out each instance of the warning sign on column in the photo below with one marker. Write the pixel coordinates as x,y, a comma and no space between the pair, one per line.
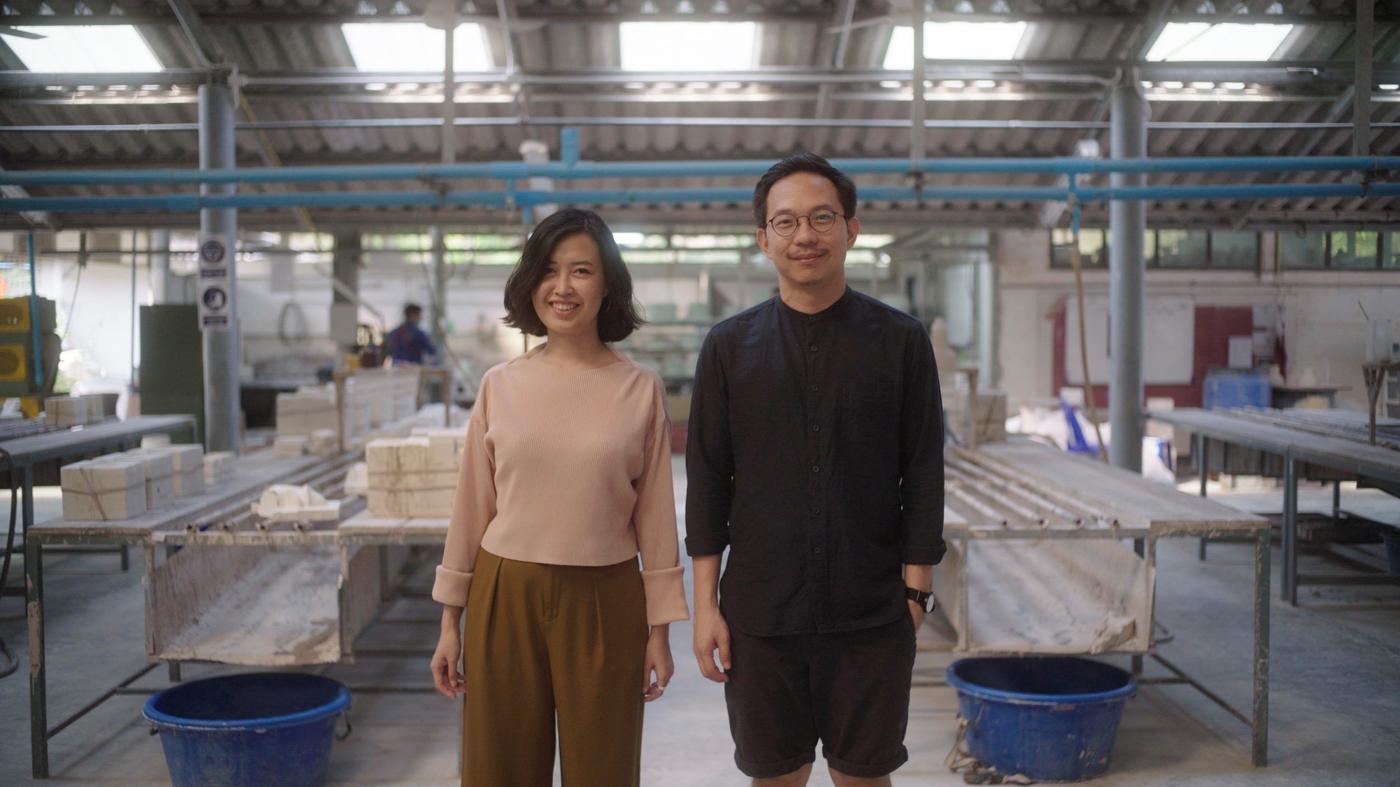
214,287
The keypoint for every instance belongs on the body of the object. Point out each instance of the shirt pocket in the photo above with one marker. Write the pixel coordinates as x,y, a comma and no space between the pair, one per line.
870,412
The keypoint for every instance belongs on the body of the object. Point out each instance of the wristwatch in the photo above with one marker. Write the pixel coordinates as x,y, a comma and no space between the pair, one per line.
924,598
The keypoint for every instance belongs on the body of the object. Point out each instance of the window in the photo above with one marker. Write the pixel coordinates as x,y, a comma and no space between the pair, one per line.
1354,250
1168,249
1390,254
1238,250
1181,249
1185,41
639,240
1302,250
688,46
956,41
107,49
413,46
1093,248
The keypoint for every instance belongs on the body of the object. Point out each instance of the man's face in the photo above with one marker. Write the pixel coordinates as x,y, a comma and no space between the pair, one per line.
414,317
808,258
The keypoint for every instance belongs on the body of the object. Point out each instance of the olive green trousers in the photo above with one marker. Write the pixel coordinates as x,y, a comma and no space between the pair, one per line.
551,647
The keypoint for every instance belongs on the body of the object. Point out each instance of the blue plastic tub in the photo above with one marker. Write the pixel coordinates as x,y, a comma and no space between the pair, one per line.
1226,389
265,729
1048,718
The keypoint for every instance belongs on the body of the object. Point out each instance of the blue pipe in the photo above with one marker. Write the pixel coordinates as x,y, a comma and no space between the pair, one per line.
175,203
581,170
569,146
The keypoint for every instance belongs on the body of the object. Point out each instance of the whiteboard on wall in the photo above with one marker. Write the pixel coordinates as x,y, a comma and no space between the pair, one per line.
1169,329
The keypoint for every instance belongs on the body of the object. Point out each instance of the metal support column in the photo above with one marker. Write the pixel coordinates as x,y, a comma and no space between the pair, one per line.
345,289
917,109
987,320
222,354
34,618
1290,529
1263,540
1203,467
438,320
1127,223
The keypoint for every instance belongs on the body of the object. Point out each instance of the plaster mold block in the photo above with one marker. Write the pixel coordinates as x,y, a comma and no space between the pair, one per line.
103,490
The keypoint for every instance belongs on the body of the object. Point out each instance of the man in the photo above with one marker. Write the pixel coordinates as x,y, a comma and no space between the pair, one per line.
815,456
408,343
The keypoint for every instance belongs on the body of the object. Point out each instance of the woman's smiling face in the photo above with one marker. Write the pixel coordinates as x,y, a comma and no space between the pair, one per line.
570,294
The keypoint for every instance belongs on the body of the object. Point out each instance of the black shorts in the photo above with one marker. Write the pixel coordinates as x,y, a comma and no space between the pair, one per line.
850,690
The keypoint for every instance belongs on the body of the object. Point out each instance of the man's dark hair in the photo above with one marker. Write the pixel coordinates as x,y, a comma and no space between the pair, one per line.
803,162
618,317
411,310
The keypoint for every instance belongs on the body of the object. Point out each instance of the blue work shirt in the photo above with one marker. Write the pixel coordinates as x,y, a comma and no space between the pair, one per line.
408,343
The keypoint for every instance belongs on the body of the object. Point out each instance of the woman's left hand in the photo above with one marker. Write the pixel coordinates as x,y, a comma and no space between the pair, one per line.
658,664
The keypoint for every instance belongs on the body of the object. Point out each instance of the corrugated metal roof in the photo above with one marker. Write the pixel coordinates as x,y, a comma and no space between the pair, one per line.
263,37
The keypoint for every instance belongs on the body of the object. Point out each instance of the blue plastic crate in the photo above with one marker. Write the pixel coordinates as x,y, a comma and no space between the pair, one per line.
1233,388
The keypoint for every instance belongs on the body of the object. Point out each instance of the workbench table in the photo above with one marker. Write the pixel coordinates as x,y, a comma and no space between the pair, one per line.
1064,513
1376,464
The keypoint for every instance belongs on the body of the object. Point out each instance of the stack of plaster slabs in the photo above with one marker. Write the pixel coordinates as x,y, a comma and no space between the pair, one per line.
103,490
414,476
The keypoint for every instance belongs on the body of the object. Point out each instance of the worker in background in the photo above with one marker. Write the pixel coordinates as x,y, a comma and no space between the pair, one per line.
815,457
408,343
566,479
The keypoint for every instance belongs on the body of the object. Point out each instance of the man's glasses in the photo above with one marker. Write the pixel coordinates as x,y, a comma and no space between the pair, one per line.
820,221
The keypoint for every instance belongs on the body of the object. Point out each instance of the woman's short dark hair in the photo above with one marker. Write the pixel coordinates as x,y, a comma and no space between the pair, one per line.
803,162
618,317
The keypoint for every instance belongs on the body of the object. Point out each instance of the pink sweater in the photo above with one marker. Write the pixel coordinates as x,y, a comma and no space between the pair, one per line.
568,467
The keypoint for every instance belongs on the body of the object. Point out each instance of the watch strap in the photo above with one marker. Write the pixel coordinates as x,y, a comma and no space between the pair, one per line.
924,598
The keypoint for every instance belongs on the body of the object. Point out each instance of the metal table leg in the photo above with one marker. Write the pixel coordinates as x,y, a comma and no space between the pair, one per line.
34,609
1290,530
1262,543
1201,464
1336,500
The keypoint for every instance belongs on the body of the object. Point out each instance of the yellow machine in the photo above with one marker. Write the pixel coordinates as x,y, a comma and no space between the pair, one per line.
17,368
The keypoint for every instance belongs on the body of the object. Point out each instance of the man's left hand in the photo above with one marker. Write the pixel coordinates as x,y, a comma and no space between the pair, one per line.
917,612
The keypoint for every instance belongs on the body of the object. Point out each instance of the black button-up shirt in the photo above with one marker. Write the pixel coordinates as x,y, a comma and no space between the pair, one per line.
815,454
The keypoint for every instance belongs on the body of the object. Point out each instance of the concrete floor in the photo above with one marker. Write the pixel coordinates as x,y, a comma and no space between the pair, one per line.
1335,709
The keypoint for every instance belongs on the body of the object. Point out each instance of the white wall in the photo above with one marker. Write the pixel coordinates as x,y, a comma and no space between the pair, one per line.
1324,331
97,347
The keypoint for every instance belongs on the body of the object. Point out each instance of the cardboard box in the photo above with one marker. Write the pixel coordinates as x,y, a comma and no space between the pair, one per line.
158,462
160,492
190,483
122,504
155,441
94,477
418,503
66,410
443,479
218,465
288,446
104,490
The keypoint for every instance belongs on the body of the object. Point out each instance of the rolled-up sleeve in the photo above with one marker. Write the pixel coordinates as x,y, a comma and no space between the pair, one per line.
654,519
473,508
921,455
709,457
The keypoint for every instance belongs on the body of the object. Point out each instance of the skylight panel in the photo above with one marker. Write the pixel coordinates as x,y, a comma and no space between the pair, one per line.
1227,41
688,46
107,49
415,47
956,41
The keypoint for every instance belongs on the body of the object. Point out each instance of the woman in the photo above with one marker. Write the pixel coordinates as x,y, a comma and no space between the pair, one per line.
565,478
